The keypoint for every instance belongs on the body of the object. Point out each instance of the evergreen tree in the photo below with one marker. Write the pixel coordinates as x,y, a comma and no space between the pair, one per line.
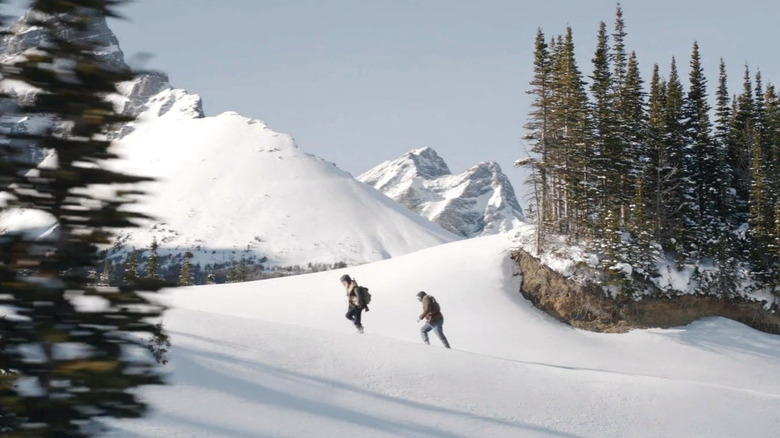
701,161
619,50
740,155
572,144
71,391
232,276
107,276
621,154
539,133
775,252
673,177
153,263
131,266
159,344
241,273
644,252
773,138
723,142
635,138
185,276
761,217
656,151
604,119
759,114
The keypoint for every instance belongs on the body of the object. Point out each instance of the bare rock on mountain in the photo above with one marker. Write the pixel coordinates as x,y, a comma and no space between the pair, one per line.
477,202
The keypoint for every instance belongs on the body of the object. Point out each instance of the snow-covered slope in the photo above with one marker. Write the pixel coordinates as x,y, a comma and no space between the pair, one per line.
231,184
278,358
480,201
229,187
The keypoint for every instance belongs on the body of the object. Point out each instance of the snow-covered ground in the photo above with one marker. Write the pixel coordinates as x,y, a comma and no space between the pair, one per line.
277,358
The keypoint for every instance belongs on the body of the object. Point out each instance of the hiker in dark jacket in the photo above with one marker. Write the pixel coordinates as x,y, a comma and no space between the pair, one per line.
434,319
353,298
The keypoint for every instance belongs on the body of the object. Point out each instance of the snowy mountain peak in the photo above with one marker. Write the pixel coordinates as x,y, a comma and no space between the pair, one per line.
229,187
479,201
427,162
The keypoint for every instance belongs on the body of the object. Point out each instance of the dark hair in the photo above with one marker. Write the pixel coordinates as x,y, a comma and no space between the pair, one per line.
346,278
420,295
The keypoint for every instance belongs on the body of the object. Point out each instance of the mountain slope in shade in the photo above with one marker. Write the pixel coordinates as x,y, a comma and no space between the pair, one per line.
477,202
233,185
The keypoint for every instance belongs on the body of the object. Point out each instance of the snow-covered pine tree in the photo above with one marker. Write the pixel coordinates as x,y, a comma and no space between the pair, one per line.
131,266
619,53
701,163
185,276
773,138
760,116
673,170
724,142
644,252
620,155
107,276
571,120
760,207
539,133
77,361
635,138
740,156
654,174
773,181
232,275
603,110
153,262
242,271
775,251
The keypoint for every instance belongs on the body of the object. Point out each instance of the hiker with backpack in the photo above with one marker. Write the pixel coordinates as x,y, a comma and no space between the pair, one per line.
358,299
433,317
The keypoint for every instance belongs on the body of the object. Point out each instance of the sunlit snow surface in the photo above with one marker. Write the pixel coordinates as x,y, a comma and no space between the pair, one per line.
277,358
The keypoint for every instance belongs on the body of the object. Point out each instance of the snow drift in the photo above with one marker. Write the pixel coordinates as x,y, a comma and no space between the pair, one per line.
277,358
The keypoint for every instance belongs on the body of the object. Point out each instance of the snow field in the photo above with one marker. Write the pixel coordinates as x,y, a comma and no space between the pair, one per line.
278,358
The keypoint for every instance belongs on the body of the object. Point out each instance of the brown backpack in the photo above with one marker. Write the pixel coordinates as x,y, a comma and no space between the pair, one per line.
433,306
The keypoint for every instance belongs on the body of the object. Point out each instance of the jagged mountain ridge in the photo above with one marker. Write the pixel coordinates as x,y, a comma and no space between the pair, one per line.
479,201
135,97
229,187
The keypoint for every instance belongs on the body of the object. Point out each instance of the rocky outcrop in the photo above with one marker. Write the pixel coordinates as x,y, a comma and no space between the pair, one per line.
149,93
480,201
586,306
25,35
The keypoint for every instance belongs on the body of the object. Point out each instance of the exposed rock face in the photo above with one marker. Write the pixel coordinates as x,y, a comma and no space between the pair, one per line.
24,35
150,93
585,306
479,201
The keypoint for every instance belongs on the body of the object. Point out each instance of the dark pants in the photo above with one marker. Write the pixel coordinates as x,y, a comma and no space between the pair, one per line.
438,327
353,314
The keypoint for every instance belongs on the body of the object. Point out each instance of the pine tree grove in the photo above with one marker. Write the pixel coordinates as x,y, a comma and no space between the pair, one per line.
637,175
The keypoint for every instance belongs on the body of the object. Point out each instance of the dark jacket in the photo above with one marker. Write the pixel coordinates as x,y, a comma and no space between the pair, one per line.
431,309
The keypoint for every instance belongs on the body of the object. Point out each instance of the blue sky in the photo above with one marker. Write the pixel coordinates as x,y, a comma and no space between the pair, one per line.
358,82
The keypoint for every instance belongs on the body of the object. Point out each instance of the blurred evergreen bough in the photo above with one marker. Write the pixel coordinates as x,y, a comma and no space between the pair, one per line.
71,351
